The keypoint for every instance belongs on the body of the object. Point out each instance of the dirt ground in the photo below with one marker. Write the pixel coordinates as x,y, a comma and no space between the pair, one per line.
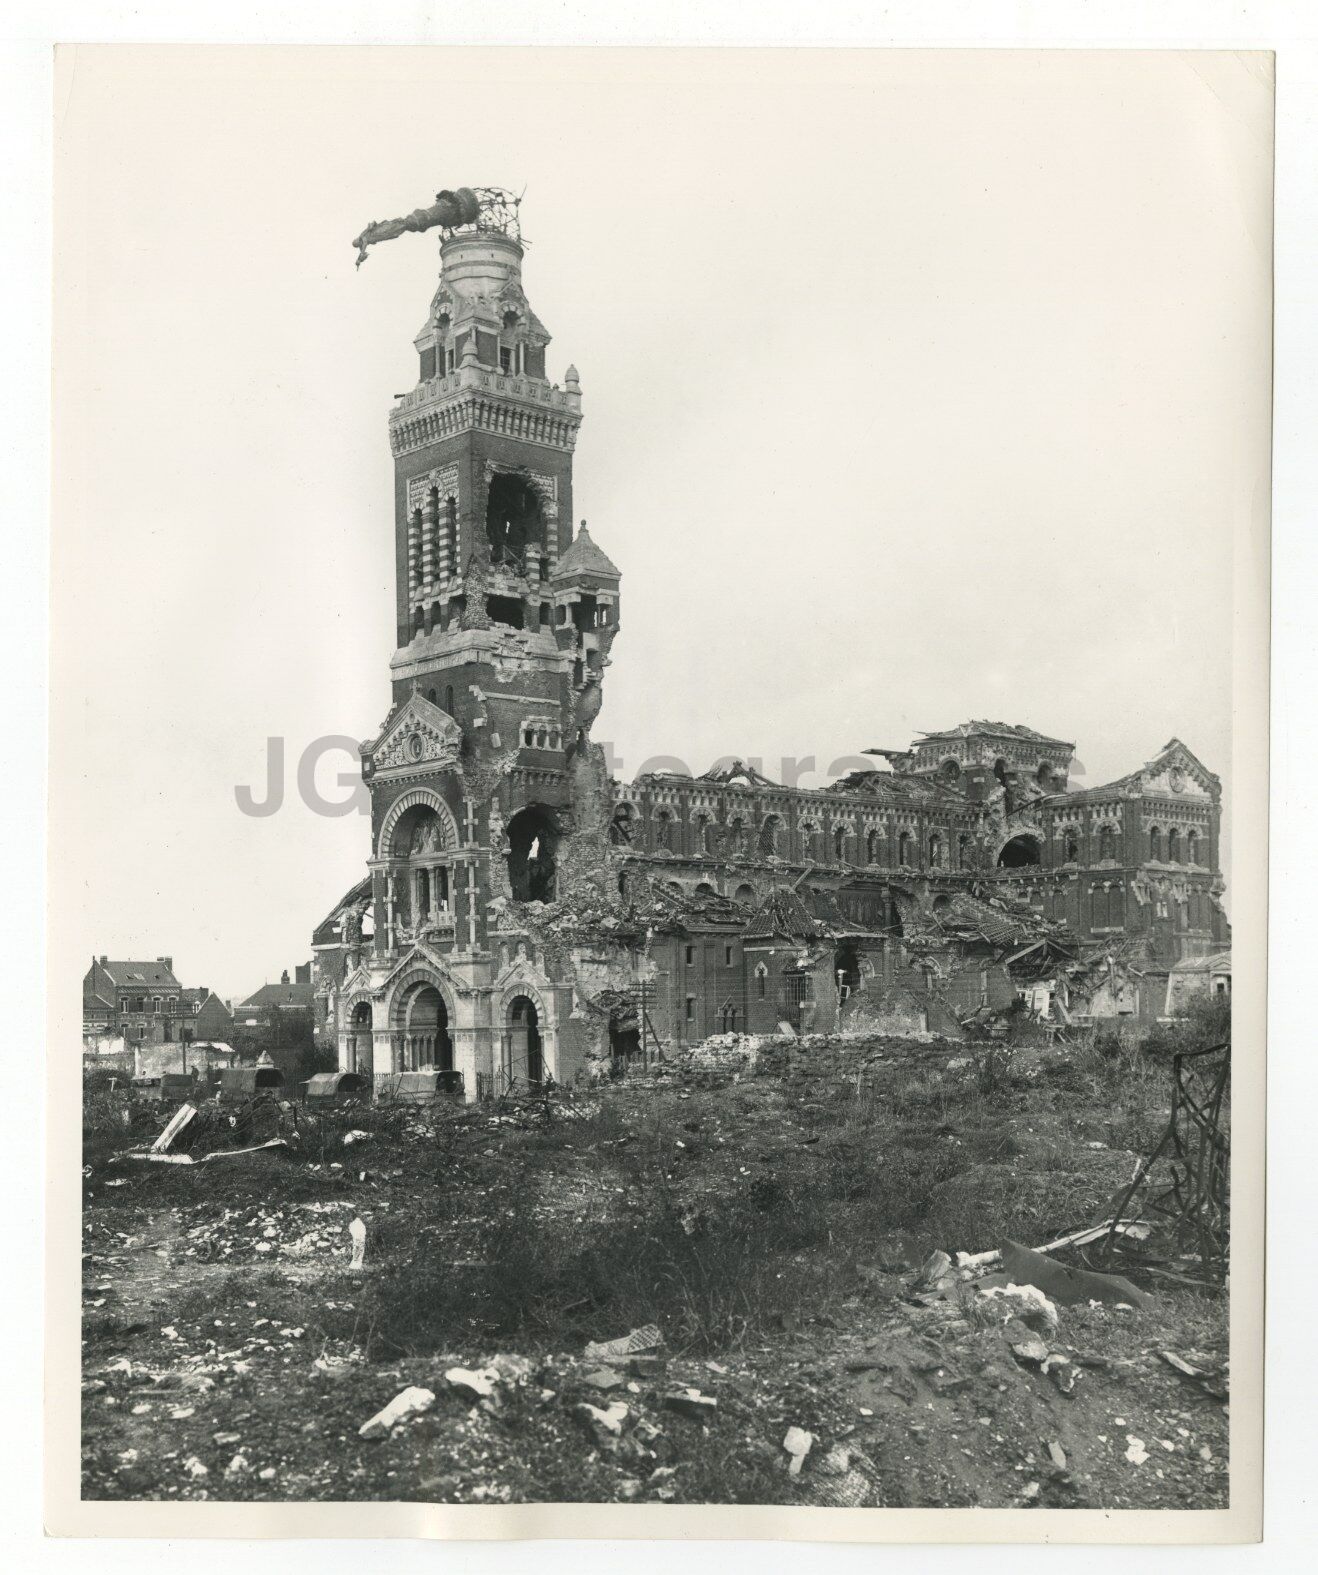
769,1219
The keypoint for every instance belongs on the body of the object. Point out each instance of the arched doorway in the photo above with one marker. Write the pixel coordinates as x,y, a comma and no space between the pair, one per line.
1021,851
361,1039
523,1046
427,1043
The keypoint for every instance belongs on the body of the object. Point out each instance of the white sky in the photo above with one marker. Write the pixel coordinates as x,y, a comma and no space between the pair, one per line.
917,387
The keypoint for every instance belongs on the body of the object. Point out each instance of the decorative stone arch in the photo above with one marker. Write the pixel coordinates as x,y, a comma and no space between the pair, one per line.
357,1039
394,1025
422,973
430,799
528,1049
534,993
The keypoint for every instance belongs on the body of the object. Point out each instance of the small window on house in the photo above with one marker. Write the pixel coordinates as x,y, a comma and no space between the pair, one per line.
761,981
727,957
505,358
1155,843
839,843
1191,847
448,699
690,1008
690,955
1173,846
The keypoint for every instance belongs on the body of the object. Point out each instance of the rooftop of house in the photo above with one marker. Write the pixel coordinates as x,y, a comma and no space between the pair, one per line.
148,974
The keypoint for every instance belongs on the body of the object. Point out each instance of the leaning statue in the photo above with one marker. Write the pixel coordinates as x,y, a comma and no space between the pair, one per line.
450,208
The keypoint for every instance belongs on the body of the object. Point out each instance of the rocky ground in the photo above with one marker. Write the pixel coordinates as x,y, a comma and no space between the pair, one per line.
760,1223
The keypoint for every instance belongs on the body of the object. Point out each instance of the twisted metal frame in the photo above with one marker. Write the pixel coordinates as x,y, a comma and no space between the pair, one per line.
1195,1200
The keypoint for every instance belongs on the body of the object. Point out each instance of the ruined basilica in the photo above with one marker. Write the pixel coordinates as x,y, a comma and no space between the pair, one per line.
524,916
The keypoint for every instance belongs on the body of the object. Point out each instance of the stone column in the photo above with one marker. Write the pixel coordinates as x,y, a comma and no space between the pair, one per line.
429,539
413,554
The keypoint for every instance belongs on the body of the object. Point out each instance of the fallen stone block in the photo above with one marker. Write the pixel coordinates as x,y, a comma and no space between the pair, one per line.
409,1403
1025,1302
798,1443
605,1424
690,1403
472,1384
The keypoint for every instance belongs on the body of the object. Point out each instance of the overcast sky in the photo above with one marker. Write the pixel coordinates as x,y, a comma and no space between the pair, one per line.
917,388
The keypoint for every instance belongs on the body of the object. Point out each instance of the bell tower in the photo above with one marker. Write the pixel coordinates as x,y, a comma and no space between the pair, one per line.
504,618
482,456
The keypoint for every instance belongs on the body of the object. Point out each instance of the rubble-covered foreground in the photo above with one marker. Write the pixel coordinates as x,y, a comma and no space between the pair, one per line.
721,1283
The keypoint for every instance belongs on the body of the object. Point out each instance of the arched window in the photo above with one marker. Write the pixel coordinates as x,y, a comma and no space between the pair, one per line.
761,980
448,698
1070,849
840,844
904,849
935,851
663,829
1155,843
1173,846
1192,847
620,827
736,835
769,835
874,848
963,851
1107,843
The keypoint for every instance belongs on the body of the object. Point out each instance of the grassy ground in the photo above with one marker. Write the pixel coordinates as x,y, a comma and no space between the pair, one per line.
767,1225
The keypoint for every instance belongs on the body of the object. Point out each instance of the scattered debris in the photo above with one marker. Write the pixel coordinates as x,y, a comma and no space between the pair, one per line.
1135,1450
931,1275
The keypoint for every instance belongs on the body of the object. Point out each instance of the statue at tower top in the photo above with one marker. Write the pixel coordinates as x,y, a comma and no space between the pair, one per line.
478,207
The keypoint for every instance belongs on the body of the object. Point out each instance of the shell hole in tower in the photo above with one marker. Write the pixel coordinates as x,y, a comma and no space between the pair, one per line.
506,610
532,848
513,520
